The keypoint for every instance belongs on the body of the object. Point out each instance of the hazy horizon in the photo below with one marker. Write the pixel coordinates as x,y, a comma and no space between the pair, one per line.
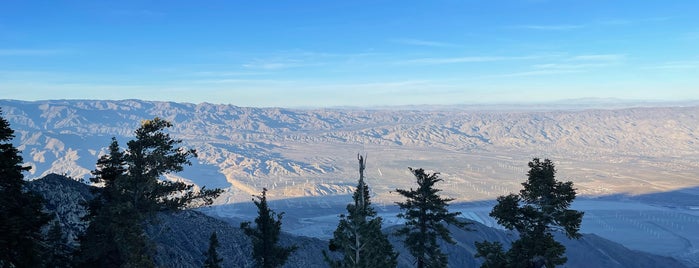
359,53
546,105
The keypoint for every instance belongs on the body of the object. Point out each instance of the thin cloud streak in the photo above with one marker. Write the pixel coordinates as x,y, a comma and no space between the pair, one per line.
30,52
237,81
277,65
559,66
465,59
676,65
553,27
599,57
296,59
423,43
227,74
277,93
536,73
380,86
582,62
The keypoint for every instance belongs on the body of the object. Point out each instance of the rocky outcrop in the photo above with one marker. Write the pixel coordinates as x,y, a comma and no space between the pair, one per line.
65,199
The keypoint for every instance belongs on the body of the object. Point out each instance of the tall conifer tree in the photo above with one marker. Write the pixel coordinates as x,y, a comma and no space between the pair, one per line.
265,235
212,259
132,193
109,214
539,209
59,253
21,216
425,214
358,235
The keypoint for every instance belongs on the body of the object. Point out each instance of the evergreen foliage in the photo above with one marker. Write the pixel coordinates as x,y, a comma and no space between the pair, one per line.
212,259
541,208
358,235
112,217
21,215
132,193
59,253
265,235
152,154
425,213
492,253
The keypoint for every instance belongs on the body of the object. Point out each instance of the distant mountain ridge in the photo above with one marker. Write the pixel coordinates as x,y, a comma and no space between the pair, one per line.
481,154
245,148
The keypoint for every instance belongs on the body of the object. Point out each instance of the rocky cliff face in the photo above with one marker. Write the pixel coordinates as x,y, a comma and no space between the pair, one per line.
64,197
182,237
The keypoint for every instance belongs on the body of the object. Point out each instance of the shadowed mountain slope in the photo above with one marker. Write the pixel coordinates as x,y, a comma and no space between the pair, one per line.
182,237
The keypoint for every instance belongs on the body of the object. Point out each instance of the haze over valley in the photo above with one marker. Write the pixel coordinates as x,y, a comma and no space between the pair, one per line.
635,168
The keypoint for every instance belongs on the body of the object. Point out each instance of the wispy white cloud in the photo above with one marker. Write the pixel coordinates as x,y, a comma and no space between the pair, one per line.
568,64
296,59
551,27
381,86
275,64
675,65
599,57
294,54
30,52
35,76
236,81
451,60
563,66
611,22
423,43
659,19
537,73
226,73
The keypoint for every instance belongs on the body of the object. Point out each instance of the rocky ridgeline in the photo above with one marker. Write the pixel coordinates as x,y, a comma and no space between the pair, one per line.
67,135
182,237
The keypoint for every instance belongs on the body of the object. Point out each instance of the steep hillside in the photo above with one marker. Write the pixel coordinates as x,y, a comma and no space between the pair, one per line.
182,237
588,251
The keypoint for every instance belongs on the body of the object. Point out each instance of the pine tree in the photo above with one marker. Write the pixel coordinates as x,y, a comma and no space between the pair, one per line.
212,258
492,253
59,252
265,235
425,213
132,193
21,216
151,155
114,237
541,208
358,235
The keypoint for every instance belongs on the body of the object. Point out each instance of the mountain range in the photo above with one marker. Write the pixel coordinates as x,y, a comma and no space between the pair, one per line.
307,158
312,152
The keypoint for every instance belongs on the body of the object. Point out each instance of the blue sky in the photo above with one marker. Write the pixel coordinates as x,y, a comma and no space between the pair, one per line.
356,53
